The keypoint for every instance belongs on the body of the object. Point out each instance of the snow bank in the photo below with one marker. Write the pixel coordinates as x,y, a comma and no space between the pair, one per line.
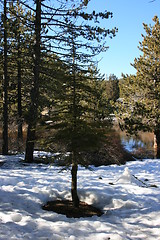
131,207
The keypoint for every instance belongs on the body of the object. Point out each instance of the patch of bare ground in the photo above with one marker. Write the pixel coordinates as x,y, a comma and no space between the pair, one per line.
66,207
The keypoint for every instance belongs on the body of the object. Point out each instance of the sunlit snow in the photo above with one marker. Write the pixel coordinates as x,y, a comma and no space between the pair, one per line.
129,195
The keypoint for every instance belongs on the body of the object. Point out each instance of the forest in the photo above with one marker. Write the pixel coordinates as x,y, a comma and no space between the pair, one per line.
59,112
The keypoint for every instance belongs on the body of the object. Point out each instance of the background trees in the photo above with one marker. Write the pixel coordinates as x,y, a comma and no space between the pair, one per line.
5,80
20,64
140,103
112,87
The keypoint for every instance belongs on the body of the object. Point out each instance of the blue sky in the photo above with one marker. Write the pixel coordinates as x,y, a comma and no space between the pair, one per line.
128,17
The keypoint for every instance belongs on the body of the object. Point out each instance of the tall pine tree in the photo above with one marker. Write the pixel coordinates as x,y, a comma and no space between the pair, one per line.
33,113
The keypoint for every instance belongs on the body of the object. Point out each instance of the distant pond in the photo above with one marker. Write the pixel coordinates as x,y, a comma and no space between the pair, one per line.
141,146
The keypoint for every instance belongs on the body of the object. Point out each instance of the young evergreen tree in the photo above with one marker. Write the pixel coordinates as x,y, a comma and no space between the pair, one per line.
73,117
140,108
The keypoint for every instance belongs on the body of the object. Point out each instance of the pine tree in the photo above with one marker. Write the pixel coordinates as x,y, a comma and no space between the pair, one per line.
73,117
140,108
32,121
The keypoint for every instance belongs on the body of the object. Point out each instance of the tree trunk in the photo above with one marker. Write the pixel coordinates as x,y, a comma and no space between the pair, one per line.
75,198
5,87
157,143
20,132
30,143
33,113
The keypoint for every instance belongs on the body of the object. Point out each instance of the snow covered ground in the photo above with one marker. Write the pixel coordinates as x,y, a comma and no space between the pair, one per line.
131,207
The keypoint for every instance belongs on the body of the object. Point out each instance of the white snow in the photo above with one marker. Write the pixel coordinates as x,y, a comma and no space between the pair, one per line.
127,194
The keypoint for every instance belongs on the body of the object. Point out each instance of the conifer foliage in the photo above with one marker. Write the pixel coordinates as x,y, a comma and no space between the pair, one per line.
140,103
77,123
